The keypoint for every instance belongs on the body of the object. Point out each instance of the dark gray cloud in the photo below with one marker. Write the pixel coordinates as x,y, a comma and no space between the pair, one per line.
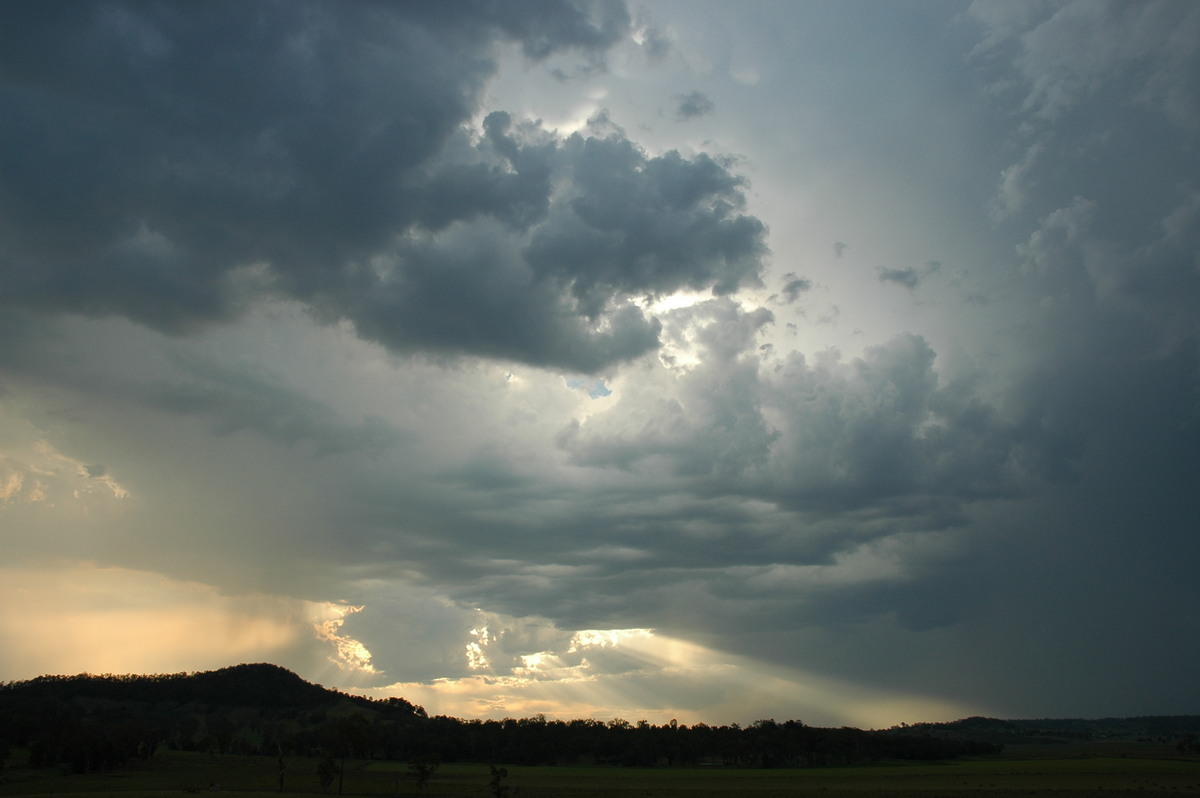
850,451
909,277
173,165
634,225
1064,56
884,427
793,287
692,105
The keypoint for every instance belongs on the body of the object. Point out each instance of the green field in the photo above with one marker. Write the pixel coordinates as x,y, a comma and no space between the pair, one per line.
1064,773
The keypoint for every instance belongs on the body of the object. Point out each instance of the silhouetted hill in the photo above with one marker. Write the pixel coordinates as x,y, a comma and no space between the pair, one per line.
1049,730
96,722
258,685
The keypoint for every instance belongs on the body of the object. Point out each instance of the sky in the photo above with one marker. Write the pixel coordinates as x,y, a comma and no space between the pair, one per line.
709,361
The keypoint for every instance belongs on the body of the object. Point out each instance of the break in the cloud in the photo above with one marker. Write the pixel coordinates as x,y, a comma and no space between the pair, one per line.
410,346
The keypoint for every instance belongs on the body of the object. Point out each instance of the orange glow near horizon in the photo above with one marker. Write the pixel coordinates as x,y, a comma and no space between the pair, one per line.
83,618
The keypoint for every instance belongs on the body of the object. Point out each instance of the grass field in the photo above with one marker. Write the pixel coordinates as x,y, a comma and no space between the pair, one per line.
1071,774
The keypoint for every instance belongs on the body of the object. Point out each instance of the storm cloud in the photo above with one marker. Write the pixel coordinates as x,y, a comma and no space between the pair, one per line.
173,166
425,346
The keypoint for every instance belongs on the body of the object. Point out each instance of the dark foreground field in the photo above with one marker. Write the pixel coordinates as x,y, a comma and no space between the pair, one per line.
1071,772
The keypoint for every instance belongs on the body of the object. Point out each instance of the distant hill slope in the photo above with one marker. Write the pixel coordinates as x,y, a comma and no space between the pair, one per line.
256,685
1152,727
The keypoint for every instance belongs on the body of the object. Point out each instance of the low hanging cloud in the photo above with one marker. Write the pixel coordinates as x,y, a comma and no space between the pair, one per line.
243,155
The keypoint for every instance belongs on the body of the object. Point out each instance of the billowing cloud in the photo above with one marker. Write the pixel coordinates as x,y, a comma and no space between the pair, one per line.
313,157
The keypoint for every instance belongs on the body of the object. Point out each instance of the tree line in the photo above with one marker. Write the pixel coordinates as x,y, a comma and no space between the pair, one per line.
88,723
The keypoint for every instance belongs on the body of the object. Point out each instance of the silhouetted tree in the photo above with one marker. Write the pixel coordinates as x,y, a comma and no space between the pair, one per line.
497,786
282,768
327,770
423,768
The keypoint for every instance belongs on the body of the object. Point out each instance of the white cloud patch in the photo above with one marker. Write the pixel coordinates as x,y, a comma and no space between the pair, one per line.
349,654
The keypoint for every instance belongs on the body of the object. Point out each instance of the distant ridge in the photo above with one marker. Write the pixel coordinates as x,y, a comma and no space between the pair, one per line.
1041,730
93,722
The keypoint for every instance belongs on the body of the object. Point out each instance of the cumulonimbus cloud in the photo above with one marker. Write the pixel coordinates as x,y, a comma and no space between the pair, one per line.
174,165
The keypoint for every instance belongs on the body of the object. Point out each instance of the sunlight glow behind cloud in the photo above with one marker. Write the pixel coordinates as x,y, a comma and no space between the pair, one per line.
656,675
349,654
